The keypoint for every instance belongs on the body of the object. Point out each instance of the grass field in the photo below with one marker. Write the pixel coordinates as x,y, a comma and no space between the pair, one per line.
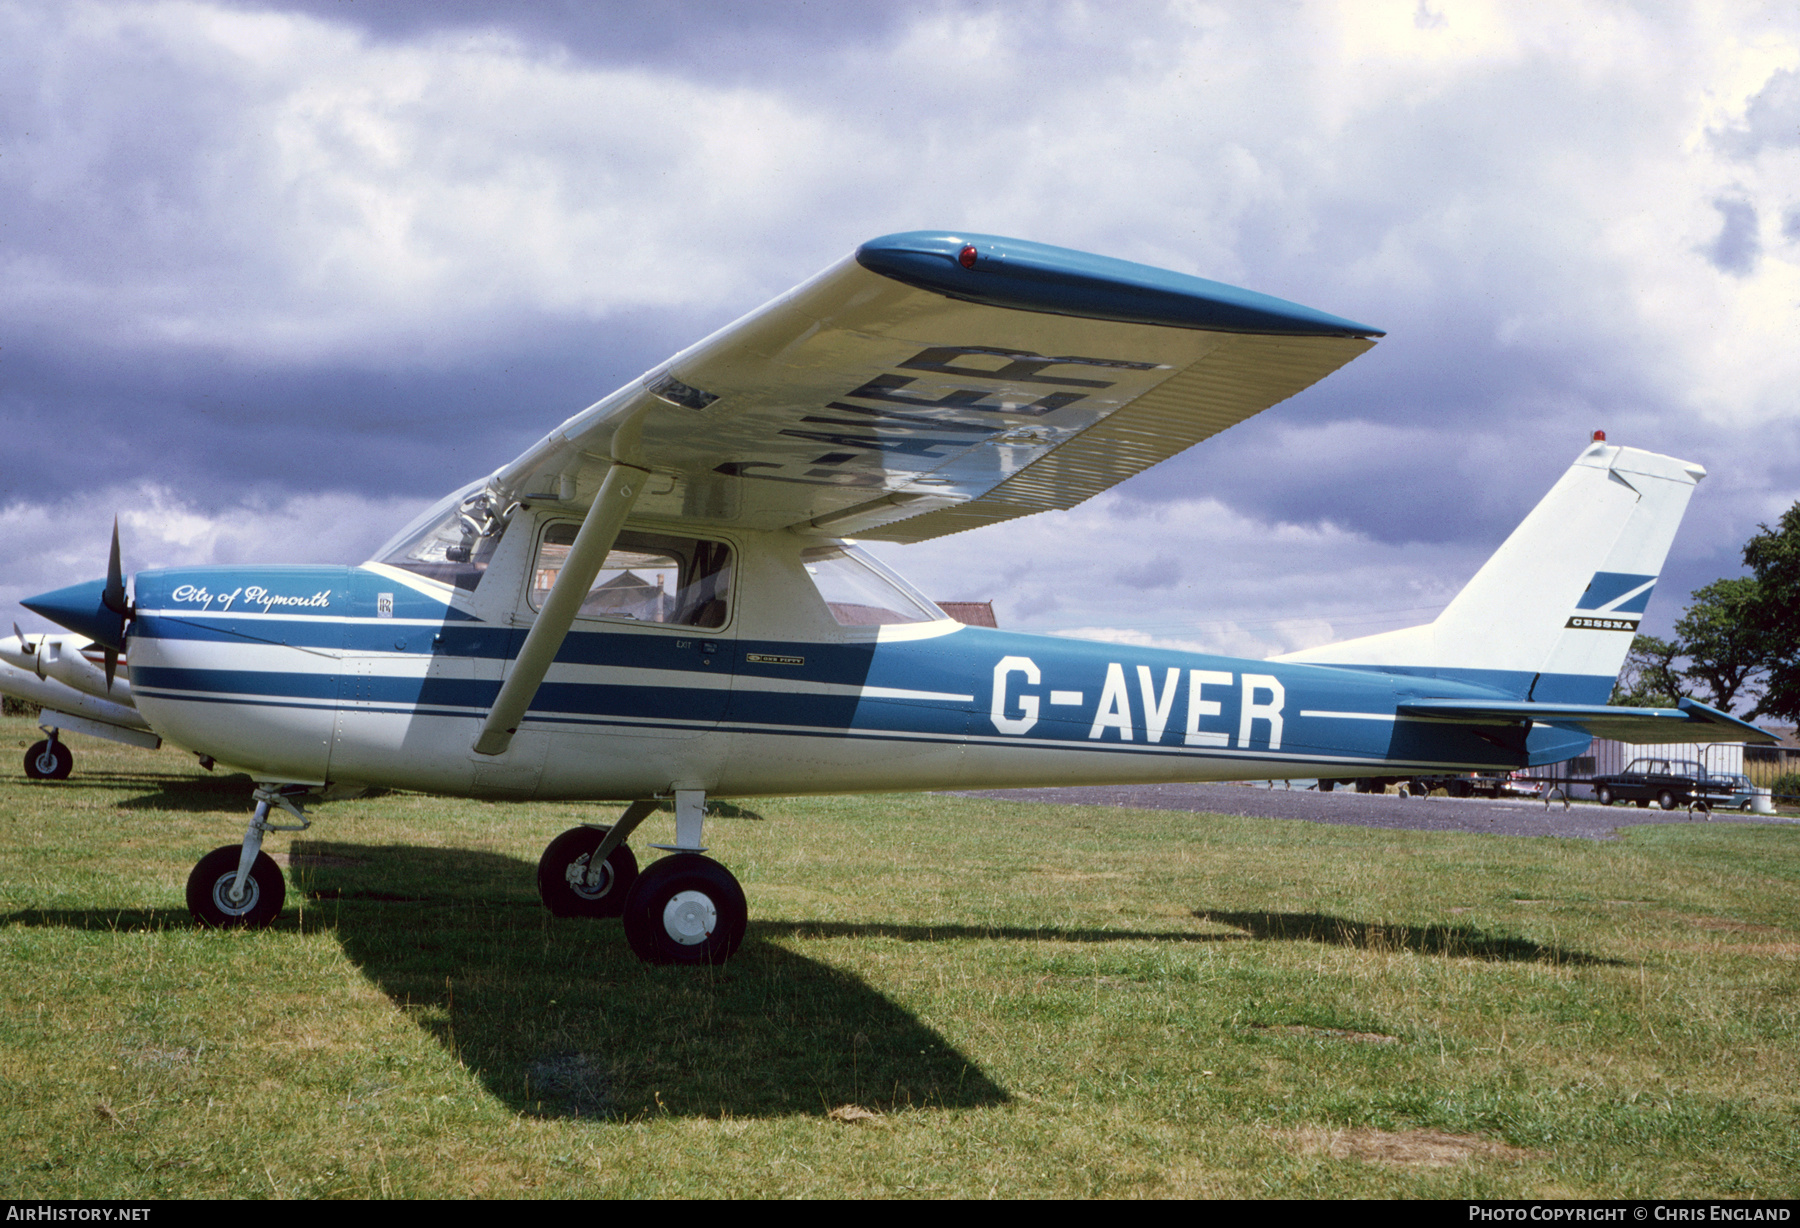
1011,999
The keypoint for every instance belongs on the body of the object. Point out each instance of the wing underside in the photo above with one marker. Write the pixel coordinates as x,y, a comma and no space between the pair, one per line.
912,391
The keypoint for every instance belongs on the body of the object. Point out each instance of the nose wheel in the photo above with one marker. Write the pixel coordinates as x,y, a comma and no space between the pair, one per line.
49,760
211,888
240,886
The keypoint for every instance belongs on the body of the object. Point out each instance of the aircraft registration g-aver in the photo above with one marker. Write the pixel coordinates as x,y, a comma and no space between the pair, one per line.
657,601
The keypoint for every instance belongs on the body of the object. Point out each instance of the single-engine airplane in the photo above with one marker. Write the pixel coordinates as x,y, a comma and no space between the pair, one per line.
657,599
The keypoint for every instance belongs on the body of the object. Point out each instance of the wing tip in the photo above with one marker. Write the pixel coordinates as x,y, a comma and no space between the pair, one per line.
1025,276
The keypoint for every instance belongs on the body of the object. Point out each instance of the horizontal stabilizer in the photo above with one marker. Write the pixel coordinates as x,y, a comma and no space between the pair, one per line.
1691,722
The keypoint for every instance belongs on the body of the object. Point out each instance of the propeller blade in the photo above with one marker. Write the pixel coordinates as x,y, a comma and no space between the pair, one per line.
113,597
19,635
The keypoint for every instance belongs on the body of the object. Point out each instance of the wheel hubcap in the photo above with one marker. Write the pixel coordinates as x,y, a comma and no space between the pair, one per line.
222,895
589,881
689,917
46,763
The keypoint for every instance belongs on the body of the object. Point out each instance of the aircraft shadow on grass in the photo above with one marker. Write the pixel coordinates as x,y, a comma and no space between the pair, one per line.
1454,941
559,1019
178,790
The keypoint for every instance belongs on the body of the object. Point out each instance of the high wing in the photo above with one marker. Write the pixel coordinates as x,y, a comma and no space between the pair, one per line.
934,382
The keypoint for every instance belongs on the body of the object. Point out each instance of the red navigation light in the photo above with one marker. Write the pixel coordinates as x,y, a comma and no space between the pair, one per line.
1599,436
966,257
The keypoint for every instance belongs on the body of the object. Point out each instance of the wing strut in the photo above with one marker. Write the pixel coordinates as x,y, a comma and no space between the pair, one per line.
598,532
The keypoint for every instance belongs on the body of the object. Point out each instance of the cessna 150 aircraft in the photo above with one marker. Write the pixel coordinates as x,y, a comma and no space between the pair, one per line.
657,601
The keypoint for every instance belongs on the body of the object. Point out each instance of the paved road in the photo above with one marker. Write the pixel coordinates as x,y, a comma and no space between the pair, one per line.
1509,817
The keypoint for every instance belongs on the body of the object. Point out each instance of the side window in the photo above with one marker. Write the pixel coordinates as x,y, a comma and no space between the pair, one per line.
647,577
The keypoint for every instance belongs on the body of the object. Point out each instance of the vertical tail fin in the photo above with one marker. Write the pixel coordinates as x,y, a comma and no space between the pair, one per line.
1551,615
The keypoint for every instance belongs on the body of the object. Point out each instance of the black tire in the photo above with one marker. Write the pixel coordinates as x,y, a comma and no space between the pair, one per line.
1603,795
1666,800
686,909
47,760
208,887
562,875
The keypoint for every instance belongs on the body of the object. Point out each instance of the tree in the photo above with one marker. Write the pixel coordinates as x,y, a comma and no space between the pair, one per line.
1774,555
1722,642
1649,678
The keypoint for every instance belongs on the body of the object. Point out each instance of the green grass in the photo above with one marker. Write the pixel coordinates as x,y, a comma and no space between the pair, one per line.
1036,1000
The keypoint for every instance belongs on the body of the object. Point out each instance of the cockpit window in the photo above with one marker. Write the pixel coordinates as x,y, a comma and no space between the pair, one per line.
860,592
454,541
647,577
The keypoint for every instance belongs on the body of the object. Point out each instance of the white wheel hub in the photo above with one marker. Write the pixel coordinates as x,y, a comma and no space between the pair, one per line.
689,917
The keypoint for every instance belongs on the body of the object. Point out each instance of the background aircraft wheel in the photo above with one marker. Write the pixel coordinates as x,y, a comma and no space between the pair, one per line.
48,760
686,909
1326,786
208,889
563,871
1603,795
1666,800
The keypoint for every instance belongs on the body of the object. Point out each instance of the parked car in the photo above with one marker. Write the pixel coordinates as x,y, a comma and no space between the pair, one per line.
1731,791
1670,783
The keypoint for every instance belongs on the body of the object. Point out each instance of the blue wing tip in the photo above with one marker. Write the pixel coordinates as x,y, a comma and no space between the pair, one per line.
1029,276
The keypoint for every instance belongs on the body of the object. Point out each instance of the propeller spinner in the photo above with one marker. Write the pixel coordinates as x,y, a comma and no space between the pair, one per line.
97,609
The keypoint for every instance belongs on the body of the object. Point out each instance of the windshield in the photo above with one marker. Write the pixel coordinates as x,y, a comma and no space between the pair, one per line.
861,592
453,541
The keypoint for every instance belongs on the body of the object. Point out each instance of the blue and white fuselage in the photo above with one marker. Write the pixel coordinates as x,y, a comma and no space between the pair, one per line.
349,675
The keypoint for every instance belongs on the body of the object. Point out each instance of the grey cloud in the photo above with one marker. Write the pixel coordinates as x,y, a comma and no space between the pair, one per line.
1738,246
1771,121
1464,211
703,39
220,428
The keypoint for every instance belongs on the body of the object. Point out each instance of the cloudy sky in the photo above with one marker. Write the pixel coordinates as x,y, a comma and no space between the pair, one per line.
273,276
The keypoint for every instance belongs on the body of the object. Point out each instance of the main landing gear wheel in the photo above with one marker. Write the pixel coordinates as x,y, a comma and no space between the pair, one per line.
48,760
209,891
571,887
686,909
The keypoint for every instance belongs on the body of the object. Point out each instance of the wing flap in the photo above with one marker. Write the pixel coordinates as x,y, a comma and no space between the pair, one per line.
1241,378
1691,722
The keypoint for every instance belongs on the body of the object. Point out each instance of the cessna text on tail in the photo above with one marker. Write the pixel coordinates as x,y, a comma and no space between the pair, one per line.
658,601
